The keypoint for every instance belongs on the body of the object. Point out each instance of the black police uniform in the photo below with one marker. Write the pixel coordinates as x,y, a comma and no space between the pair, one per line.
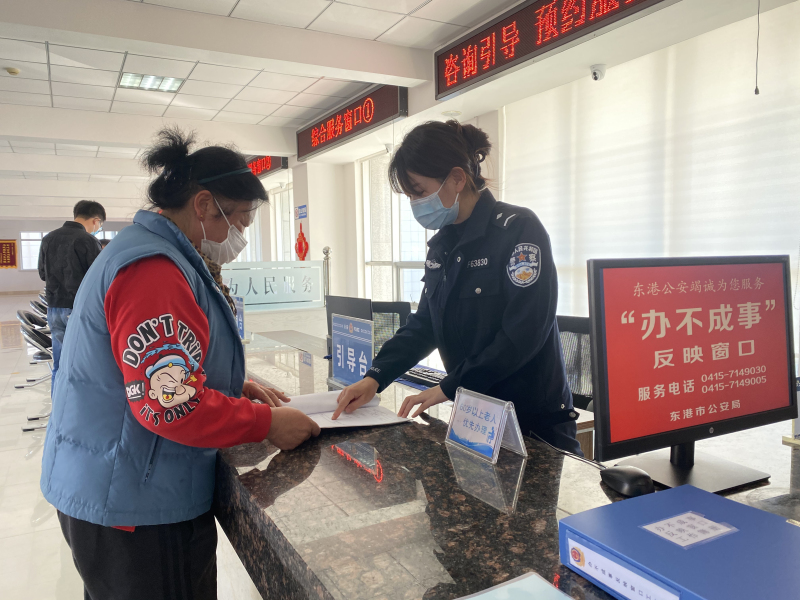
489,306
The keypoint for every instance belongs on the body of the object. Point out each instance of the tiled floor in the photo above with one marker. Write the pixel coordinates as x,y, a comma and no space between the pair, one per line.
35,562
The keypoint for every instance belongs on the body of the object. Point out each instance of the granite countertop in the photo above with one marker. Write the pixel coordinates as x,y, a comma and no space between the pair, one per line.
393,512
396,520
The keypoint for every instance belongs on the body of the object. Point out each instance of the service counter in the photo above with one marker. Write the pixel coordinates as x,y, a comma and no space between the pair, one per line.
390,512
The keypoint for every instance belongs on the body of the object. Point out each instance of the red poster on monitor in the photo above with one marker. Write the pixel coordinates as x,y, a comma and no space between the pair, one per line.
690,345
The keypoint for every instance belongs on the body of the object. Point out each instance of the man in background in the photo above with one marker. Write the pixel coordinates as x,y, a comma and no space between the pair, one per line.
64,257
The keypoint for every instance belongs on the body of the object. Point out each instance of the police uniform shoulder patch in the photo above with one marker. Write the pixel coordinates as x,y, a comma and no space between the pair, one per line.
524,266
433,265
504,219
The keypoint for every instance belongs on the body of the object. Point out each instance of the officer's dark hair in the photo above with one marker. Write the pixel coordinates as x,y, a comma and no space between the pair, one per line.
89,209
434,149
179,172
104,242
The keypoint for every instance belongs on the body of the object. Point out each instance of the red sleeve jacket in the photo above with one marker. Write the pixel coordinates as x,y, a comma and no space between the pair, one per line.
166,390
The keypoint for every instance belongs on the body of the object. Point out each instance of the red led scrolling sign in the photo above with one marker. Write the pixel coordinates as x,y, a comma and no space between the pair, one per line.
261,166
368,112
523,33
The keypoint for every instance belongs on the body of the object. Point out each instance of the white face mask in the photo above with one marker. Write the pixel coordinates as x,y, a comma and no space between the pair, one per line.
227,251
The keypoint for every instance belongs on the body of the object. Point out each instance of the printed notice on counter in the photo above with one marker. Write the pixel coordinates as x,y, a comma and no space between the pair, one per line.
689,529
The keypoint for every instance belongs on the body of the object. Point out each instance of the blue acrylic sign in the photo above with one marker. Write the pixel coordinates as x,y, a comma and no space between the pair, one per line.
353,346
238,302
301,212
481,425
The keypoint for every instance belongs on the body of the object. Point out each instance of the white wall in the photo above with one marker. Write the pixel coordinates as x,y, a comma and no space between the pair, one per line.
323,189
17,280
672,154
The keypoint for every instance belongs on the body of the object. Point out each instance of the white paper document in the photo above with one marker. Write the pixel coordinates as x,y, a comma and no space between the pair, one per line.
320,408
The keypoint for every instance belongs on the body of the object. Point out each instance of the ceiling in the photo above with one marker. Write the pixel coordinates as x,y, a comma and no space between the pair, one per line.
423,24
77,78
254,70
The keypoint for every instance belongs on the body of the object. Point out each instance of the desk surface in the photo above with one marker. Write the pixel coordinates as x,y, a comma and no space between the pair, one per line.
312,524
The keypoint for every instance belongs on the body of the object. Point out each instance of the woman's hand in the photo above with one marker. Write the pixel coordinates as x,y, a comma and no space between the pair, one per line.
355,396
270,396
426,399
290,428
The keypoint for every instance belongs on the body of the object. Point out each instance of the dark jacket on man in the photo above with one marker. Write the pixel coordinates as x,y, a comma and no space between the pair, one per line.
64,257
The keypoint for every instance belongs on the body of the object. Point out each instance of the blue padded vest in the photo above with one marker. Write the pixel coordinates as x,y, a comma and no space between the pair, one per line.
99,464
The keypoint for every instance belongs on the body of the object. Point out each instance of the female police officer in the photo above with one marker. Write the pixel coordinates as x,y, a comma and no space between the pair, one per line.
490,291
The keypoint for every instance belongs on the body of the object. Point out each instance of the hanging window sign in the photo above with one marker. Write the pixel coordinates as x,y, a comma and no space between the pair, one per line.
521,34
261,166
369,111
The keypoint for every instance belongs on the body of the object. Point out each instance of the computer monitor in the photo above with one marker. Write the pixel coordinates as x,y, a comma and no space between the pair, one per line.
358,308
685,349
387,318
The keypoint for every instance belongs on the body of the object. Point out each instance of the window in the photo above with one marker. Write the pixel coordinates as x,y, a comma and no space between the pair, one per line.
30,241
395,244
673,155
105,235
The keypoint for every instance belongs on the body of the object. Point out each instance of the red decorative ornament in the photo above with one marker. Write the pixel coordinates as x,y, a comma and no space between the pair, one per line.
301,246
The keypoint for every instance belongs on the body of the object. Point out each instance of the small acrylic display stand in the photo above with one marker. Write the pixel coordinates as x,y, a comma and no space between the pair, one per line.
482,425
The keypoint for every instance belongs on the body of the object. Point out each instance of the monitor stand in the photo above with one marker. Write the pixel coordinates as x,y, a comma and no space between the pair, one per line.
682,466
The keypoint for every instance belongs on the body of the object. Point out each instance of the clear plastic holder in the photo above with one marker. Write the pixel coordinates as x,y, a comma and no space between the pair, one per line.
474,426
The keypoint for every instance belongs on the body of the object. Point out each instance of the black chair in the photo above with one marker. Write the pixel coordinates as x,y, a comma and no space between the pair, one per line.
43,298
387,318
43,343
26,317
576,347
39,308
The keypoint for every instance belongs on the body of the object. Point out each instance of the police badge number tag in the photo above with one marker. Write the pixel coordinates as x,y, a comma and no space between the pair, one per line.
524,266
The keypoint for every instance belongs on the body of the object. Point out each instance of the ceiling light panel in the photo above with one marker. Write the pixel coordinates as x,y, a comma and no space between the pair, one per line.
152,83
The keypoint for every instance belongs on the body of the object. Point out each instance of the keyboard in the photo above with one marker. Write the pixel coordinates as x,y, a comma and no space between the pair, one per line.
424,376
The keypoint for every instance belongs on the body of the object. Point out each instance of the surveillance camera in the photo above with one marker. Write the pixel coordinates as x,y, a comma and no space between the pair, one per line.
598,72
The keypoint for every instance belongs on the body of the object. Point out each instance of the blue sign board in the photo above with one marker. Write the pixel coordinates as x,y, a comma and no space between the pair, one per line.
353,347
482,424
238,302
301,212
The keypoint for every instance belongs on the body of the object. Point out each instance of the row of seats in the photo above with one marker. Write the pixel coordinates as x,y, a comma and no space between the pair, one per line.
36,332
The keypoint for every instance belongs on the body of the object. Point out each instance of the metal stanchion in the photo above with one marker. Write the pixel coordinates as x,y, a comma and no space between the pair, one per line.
326,272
